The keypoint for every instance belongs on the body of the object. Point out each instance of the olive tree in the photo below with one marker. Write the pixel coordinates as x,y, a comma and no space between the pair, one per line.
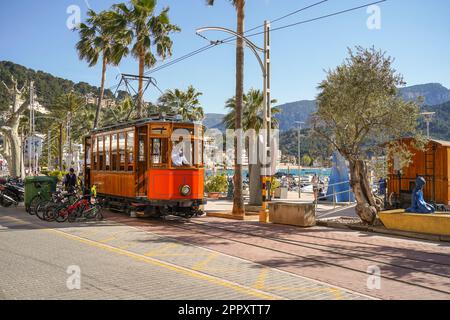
359,111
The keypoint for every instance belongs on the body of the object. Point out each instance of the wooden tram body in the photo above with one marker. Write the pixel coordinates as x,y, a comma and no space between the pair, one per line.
131,164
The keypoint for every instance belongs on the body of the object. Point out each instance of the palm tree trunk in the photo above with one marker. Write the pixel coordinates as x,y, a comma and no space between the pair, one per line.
141,83
238,201
102,92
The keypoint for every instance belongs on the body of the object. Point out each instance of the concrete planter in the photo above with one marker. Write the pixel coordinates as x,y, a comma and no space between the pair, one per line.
294,214
435,224
213,195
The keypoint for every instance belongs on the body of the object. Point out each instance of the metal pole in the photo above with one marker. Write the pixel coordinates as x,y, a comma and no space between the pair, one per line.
48,149
299,162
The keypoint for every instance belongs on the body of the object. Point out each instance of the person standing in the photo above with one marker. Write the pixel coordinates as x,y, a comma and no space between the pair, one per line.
70,181
315,184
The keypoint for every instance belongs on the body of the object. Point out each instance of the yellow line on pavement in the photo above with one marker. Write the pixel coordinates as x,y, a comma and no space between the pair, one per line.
188,272
161,249
261,281
202,264
107,239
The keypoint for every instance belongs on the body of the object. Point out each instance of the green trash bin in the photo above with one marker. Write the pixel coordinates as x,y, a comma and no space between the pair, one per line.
42,186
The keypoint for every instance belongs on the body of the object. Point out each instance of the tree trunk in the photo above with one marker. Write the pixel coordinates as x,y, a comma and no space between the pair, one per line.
14,163
102,92
238,201
141,84
366,207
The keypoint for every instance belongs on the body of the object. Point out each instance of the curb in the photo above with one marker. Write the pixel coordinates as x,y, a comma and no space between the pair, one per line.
421,236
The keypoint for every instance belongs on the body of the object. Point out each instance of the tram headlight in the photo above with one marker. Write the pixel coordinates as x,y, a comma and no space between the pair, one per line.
185,190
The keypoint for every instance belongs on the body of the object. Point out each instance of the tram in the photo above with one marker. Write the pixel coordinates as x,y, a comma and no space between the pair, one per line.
155,164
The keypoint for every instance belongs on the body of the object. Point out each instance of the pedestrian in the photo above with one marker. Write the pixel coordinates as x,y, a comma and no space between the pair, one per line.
315,184
70,181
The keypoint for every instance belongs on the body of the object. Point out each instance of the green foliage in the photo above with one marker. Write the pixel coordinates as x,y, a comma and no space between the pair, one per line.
186,103
359,108
217,183
253,111
58,174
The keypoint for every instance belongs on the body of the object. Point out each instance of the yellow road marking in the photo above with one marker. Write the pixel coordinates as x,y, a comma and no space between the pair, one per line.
336,292
161,249
188,272
261,281
202,264
107,239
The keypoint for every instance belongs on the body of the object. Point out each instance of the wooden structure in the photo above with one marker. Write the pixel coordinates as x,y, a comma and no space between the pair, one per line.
433,164
132,163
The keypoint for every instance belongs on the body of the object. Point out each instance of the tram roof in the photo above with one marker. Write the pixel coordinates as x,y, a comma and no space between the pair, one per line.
123,125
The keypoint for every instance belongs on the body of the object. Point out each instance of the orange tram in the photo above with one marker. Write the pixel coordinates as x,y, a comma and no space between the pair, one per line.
133,165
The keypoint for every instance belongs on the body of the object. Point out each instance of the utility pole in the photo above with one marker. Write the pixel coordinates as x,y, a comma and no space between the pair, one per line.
61,128
30,136
267,125
299,158
48,149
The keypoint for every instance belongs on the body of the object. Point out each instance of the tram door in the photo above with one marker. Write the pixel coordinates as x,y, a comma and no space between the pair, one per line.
141,172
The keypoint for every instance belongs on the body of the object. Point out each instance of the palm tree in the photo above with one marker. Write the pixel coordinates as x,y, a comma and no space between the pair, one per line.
148,30
99,38
238,201
186,103
119,113
253,115
253,118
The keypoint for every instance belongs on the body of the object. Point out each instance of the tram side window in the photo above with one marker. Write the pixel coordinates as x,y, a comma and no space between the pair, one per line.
107,153
159,148
114,153
130,150
101,155
94,153
121,151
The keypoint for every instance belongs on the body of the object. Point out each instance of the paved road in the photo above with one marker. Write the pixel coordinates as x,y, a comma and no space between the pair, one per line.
115,260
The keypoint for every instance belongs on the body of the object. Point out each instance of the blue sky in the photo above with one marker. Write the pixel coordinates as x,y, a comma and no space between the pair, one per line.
415,32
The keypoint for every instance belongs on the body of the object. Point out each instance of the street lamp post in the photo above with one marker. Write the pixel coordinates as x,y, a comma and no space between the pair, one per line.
264,63
299,158
428,119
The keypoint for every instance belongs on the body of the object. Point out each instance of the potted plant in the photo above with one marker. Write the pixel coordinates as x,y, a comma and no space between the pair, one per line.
215,185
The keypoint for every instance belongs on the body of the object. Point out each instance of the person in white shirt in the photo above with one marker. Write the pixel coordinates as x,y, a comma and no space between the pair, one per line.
178,157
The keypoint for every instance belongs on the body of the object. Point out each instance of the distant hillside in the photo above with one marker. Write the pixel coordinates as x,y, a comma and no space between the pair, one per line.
214,121
440,127
47,86
295,111
433,93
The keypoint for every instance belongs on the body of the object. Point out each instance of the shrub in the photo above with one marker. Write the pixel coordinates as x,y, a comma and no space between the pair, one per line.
59,174
216,184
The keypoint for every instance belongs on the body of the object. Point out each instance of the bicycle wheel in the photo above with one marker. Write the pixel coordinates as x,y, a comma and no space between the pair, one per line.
94,212
40,209
33,203
60,214
48,212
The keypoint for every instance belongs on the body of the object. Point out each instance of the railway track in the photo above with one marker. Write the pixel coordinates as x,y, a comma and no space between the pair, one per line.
415,267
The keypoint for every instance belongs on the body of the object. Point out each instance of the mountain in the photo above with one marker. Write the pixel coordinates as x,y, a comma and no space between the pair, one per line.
47,86
433,93
440,126
295,111
214,121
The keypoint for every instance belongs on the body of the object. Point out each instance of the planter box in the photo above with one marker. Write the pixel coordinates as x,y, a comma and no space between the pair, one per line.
294,214
436,224
214,195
